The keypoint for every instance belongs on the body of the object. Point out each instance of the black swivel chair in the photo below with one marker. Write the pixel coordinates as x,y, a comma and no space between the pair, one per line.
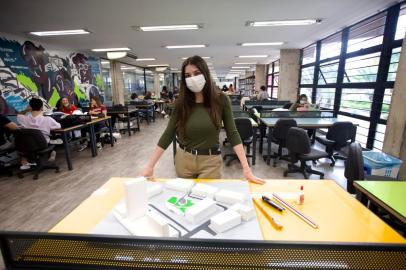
338,136
279,134
287,105
298,144
246,131
32,144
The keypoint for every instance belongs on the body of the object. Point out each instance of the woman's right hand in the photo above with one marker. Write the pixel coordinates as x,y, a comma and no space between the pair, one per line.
148,171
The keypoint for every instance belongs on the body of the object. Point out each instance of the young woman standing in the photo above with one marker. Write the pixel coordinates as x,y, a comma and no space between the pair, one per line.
196,120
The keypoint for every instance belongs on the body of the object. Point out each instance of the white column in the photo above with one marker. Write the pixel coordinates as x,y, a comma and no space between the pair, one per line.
395,134
117,83
260,76
289,74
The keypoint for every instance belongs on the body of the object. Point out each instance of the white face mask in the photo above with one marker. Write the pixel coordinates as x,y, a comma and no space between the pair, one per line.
302,101
196,83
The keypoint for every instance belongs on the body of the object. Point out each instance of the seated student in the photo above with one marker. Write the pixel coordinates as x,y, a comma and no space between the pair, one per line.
164,92
224,89
263,94
301,103
33,118
134,97
5,124
66,107
97,109
231,89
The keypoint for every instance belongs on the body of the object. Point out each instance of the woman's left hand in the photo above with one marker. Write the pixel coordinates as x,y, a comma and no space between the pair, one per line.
252,178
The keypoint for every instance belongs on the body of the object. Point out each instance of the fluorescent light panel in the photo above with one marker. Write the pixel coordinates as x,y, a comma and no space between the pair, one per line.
245,63
145,59
185,46
284,22
116,55
60,33
112,49
158,65
241,67
262,44
253,56
170,27
204,57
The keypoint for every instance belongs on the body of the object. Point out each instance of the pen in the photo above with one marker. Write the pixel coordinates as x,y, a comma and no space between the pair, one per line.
272,203
271,219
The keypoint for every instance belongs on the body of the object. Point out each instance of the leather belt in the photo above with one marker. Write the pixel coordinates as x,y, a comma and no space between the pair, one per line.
204,152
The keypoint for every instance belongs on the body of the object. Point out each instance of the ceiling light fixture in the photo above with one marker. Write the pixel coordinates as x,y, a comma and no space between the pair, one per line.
253,56
284,22
245,63
60,33
241,67
105,62
261,44
116,55
145,59
112,49
168,27
128,68
185,46
204,57
158,65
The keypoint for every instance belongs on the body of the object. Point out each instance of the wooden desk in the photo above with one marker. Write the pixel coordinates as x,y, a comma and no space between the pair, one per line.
389,195
127,114
340,216
92,136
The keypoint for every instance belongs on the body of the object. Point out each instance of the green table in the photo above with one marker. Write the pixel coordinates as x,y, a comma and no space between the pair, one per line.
389,195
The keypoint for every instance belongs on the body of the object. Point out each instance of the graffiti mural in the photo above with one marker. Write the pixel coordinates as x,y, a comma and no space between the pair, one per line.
27,70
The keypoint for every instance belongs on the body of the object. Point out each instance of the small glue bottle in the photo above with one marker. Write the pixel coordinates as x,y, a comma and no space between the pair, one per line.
301,197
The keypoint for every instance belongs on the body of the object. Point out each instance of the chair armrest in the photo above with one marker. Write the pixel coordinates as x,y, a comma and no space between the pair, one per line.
325,141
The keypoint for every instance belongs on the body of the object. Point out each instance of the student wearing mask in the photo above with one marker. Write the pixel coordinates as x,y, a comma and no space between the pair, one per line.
33,118
97,109
300,104
196,120
66,107
231,89
263,94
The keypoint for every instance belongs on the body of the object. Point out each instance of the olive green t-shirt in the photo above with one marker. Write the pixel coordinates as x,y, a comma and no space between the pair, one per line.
201,133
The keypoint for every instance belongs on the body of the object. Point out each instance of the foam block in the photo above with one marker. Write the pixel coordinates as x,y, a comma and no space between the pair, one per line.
136,197
158,224
246,212
179,184
225,221
229,197
203,190
154,190
200,211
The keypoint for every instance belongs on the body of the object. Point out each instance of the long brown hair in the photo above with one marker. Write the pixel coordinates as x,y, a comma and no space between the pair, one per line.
186,101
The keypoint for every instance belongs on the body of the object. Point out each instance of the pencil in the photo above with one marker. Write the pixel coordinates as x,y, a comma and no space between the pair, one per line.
271,219
296,212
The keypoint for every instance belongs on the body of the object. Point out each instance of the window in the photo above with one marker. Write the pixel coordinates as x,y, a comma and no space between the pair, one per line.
401,27
269,83
328,72
367,34
273,79
331,46
307,75
275,87
362,128
379,136
387,99
394,62
149,80
325,97
133,79
309,54
105,72
362,68
357,101
276,66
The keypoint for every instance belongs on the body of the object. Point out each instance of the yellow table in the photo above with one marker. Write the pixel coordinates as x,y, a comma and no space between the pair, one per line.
341,218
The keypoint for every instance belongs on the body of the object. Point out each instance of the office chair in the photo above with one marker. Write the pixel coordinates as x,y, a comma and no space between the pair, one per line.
298,144
244,128
279,134
338,136
32,144
287,105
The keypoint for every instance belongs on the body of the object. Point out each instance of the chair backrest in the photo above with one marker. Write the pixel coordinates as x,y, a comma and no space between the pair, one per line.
354,166
244,127
281,128
297,141
287,105
29,140
341,133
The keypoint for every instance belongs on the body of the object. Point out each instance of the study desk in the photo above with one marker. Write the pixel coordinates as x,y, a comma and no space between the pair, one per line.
306,123
389,195
341,218
92,137
126,113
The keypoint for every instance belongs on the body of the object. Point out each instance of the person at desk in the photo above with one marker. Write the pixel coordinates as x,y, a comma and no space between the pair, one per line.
97,109
66,107
196,120
263,94
164,93
231,89
134,97
301,104
5,124
33,118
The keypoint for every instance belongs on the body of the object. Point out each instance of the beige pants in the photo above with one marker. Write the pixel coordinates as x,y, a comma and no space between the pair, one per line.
197,166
